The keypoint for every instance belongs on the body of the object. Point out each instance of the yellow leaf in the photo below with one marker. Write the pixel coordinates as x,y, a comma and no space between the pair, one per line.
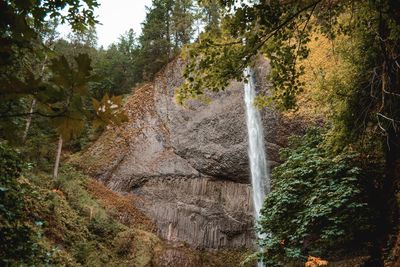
315,262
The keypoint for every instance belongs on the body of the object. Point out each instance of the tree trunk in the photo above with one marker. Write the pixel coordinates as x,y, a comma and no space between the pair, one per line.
391,173
33,104
29,120
58,156
388,220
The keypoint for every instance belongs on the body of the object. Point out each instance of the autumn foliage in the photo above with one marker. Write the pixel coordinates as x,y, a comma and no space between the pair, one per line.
315,262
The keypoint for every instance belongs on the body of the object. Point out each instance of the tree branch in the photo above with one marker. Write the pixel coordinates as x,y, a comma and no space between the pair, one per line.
23,114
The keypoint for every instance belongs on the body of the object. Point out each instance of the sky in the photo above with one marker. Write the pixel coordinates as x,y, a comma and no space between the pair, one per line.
116,17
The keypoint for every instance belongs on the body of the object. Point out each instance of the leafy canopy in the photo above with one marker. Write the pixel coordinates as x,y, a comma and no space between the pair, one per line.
25,54
57,84
281,31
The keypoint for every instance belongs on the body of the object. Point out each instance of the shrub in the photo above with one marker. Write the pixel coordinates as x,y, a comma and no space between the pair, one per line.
91,253
17,238
104,228
316,204
124,242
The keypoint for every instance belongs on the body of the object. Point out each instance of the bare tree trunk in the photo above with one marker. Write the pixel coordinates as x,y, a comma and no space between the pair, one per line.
29,120
387,224
33,105
58,156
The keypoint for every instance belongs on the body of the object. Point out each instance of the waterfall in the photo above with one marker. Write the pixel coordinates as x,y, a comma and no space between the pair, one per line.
257,158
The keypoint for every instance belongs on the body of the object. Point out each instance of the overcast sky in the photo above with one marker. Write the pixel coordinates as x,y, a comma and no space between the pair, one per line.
116,17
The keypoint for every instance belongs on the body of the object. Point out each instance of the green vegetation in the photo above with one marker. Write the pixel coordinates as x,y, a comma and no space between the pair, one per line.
30,72
318,205
334,195
17,238
47,222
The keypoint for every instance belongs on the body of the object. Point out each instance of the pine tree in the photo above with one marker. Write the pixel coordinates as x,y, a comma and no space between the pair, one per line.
167,28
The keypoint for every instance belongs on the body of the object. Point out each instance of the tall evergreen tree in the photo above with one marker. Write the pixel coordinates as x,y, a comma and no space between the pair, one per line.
167,28
117,68
155,40
183,16
211,15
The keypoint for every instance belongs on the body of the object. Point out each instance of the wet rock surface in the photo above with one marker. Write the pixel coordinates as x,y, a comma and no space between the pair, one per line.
189,163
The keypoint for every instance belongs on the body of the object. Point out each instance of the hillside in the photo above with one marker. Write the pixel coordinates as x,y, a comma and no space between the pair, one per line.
76,221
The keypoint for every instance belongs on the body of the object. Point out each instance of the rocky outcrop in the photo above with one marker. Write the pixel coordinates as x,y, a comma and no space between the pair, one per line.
202,212
190,163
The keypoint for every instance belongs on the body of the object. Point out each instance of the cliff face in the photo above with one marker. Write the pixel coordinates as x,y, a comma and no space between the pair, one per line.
189,164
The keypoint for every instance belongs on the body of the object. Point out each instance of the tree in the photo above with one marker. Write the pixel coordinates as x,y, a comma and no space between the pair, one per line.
48,34
23,47
117,68
155,40
72,92
59,92
211,15
167,28
128,46
86,38
183,16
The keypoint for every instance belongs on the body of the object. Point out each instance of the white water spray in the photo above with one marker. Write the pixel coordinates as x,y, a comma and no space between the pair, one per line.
258,164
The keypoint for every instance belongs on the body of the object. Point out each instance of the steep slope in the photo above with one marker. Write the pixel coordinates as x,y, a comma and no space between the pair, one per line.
80,222
188,164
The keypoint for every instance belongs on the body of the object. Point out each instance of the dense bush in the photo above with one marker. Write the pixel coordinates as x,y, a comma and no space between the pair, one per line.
17,238
316,204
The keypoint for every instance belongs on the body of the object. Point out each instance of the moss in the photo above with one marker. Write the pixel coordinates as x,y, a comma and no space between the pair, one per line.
93,253
136,247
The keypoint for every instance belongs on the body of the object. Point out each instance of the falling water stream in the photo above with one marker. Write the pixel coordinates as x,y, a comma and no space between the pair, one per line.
258,164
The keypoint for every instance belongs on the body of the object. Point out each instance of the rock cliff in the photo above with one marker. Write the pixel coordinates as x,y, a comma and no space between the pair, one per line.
189,164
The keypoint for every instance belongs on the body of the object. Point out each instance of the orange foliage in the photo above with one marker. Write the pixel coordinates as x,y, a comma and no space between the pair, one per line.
315,262
120,207
58,192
